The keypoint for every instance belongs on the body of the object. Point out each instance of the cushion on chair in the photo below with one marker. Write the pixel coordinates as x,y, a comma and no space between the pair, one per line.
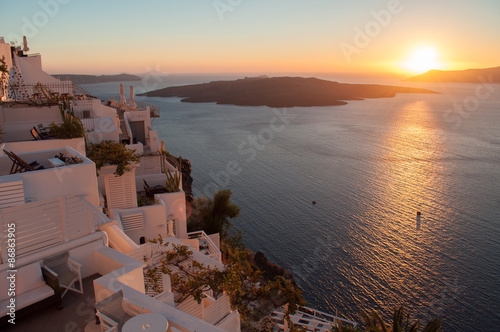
29,277
33,296
25,299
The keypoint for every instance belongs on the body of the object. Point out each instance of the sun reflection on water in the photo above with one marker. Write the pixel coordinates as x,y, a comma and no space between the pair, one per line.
406,179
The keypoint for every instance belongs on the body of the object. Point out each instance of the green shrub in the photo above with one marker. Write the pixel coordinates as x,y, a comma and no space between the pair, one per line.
71,127
111,153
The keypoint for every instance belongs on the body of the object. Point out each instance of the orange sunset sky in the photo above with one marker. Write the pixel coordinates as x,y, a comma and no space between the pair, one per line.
256,36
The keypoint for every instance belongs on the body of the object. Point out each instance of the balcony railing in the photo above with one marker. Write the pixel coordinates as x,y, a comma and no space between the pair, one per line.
310,320
39,93
43,224
207,246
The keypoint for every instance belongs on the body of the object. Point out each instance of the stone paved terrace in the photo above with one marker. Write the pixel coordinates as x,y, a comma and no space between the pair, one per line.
77,313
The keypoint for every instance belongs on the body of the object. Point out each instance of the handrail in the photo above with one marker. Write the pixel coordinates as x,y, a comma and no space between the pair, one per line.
80,89
213,250
28,91
102,219
129,130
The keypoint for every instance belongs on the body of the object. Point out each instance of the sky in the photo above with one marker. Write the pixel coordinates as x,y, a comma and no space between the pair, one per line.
403,37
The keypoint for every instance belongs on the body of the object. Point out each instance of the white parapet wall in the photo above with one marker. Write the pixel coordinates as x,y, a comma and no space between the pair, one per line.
175,206
102,129
77,179
50,144
18,121
122,272
154,219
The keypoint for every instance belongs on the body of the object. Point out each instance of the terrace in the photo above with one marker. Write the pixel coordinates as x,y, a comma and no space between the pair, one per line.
54,180
212,309
71,224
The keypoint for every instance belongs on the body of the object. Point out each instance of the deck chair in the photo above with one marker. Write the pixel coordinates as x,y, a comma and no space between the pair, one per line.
67,271
115,310
20,166
35,134
107,324
44,132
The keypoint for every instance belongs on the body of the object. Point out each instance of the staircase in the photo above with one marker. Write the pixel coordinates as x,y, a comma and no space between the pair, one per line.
123,128
17,86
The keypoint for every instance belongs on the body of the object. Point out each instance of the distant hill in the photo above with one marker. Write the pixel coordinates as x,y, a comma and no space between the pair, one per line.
280,92
88,79
459,76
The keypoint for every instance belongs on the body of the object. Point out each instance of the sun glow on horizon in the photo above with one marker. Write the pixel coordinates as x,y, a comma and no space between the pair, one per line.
422,60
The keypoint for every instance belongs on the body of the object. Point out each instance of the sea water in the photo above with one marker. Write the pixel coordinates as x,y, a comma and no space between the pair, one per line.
368,166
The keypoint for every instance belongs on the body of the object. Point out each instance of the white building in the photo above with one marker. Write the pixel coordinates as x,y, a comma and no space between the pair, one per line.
59,215
56,211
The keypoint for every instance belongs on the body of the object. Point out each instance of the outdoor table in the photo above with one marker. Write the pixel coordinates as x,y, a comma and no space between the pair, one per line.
146,322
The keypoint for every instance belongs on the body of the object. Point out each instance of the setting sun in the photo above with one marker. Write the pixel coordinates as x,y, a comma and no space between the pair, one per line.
422,60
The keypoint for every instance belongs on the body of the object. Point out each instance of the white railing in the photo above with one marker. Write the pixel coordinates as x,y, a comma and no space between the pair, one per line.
88,124
44,92
216,311
191,307
127,126
150,253
206,244
94,213
212,314
194,243
150,285
43,224
83,109
310,319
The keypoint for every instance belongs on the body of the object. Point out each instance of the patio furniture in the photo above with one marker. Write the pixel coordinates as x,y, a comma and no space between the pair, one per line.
115,310
152,322
35,289
67,271
107,324
35,134
20,166
56,162
43,130
151,191
40,134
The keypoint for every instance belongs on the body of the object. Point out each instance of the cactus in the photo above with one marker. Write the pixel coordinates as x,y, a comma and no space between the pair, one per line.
173,181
